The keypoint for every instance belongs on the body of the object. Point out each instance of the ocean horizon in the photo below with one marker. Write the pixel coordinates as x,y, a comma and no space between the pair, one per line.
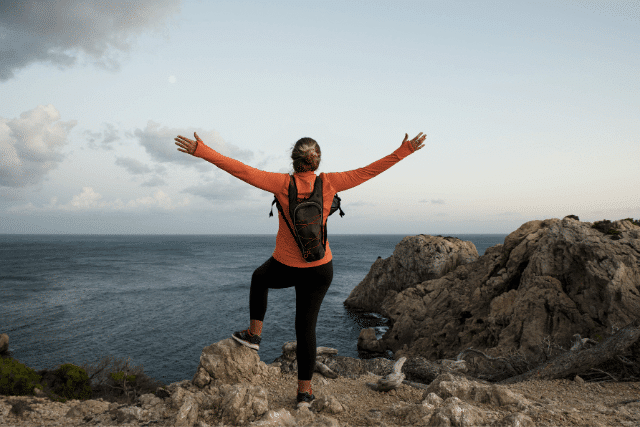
158,299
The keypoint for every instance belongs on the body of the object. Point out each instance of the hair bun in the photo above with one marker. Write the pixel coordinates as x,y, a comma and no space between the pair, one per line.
306,155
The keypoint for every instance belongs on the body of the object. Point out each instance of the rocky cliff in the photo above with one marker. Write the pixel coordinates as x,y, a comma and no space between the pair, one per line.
550,280
414,260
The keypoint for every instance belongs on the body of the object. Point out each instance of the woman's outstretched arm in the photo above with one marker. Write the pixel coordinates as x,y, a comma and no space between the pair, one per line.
268,181
342,181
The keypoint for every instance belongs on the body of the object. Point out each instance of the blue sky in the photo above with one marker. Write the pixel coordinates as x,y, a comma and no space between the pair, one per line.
532,111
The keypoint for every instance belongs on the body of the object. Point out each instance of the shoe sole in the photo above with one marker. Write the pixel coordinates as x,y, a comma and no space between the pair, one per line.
246,344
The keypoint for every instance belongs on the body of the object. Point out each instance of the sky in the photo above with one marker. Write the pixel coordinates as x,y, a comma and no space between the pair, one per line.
531,110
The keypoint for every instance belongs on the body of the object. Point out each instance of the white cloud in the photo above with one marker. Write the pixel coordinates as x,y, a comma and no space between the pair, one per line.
30,145
55,31
89,200
160,144
109,135
132,165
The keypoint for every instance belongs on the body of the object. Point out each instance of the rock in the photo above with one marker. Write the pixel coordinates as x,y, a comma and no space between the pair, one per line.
327,403
552,278
87,408
4,343
188,413
411,414
228,362
276,419
455,412
367,341
448,385
517,419
414,260
288,361
242,403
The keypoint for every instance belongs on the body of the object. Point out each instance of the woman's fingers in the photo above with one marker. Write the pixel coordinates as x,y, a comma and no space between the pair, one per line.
187,145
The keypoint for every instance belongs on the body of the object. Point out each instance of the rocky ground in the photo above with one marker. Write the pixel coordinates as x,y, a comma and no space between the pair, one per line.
541,403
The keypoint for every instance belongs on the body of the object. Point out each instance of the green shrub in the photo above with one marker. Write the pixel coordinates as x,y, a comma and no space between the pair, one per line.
605,226
69,382
17,379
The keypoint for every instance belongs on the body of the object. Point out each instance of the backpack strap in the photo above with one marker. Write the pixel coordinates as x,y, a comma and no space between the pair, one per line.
293,191
279,206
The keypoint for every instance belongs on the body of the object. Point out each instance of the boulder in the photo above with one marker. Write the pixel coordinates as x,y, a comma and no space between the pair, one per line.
228,362
242,403
367,341
4,343
550,279
414,260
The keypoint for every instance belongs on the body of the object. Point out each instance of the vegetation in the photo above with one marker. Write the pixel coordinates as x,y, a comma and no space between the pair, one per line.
633,221
69,382
17,379
118,380
605,226
112,379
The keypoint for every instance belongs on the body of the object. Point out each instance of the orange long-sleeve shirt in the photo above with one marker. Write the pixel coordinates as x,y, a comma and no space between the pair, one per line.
287,251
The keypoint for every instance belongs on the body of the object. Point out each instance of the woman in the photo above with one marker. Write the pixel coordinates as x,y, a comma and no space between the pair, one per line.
287,267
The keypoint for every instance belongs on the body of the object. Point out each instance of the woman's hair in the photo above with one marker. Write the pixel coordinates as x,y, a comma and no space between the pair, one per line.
306,155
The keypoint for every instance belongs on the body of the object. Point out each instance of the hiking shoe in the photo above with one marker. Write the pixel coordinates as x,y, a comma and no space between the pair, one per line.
305,397
245,338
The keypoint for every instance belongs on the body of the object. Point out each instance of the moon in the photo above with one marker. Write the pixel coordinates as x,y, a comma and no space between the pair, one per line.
172,79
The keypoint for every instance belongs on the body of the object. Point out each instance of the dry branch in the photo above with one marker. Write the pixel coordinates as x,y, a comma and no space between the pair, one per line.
574,362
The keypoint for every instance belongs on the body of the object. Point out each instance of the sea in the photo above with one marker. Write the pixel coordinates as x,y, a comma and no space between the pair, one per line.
158,300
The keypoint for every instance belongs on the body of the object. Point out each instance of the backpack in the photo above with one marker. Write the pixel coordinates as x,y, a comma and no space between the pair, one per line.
306,215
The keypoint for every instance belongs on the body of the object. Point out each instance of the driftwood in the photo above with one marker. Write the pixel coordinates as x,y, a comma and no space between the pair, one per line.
391,381
575,362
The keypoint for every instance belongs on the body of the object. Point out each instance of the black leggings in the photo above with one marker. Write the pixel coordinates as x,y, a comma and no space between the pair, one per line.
311,285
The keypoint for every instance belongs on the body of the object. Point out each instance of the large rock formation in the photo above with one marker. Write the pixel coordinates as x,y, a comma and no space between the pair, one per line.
551,279
414,260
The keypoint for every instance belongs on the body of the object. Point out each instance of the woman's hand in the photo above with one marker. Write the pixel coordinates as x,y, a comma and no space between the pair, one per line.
416,143
188,146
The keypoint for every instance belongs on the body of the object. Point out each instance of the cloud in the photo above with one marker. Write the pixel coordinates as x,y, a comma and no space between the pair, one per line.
30,145
88,199
160,145
109,135
154,182
234,191
355,204
55,31
433,201
133,166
